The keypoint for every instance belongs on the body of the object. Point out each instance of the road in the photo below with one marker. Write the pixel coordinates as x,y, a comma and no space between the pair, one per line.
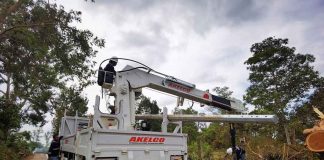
36,157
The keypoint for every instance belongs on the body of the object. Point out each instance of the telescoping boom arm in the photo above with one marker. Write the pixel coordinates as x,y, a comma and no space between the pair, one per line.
139,78
213,118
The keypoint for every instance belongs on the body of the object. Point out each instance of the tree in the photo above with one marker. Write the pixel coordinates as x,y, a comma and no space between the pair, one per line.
191,128
146,106
16,145
217,136
279,77
223,92
41,52
70,102
37,134
304,116
188,127
47,136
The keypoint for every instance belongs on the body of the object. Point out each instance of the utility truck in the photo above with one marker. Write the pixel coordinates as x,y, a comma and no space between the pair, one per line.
117,136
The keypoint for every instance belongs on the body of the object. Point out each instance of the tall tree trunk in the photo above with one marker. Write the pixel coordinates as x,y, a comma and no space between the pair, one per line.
287,134
293,136
8,88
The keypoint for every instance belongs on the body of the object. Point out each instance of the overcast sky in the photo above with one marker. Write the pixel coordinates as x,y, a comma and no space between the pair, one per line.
204,42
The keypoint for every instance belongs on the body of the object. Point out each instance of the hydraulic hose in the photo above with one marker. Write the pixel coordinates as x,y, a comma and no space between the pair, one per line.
145,66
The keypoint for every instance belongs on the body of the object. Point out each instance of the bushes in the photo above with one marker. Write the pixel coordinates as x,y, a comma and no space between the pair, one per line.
16,146
8,153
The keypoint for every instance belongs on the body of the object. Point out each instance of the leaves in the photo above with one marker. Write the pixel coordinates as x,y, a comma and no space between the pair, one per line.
278,75
41,52
70,101
223,91
146,106
280,79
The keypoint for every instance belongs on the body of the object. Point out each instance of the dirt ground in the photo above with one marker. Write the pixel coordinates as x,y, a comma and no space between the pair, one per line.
36,157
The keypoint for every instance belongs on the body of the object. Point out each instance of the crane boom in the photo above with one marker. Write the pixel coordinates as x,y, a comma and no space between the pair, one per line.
138,78
213,118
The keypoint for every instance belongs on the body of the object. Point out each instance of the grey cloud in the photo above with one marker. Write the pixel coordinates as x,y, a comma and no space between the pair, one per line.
243,10
309,16
133,5
229,56
205,77
302,10
153,48
207,14
234,11
231,60
142,40
136,39
156,28
313,44
202,15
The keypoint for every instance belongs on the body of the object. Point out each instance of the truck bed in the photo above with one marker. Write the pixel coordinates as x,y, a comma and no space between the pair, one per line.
103,144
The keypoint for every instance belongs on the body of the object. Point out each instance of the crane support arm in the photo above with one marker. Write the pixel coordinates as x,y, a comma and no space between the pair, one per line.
138,78
214,118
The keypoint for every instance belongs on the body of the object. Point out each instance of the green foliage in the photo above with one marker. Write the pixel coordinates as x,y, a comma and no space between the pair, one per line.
306,112
8,153
223,92
262,145
9,118
304,116
279,77
191,128
192,150
204,151
41,53
214,138
217,135
146,106
17,145
71,101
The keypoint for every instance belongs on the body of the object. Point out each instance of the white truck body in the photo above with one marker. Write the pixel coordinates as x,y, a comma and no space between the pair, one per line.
92,143
115,136
81,141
